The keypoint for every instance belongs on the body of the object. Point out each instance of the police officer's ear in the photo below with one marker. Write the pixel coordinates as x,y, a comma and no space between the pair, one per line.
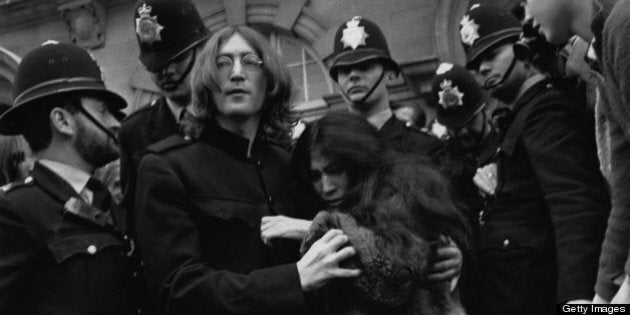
62,121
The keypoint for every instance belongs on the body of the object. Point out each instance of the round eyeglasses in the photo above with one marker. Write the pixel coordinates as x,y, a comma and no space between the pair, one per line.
249,62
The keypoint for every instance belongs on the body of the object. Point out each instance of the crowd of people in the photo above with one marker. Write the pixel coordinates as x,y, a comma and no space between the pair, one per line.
201,202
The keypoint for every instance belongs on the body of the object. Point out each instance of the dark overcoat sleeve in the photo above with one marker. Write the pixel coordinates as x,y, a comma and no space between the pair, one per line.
616,90
169,242
561,148
17,251
617,241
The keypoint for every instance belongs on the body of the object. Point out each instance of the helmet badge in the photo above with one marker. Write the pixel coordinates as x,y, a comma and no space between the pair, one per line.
470,30
354,35
147,26
450,96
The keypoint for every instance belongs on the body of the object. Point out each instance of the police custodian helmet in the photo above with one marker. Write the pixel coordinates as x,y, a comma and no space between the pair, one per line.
484,27
52,69
458,95
165,29
358,40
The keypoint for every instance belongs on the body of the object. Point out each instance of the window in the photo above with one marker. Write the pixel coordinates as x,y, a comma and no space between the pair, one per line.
308,71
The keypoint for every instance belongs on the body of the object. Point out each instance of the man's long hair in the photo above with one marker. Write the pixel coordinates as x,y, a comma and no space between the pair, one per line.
275,119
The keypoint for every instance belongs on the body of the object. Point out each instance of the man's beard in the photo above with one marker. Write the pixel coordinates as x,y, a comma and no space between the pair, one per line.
94,148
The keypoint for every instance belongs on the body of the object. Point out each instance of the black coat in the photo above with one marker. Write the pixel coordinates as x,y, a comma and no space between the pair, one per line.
399,136
55,262
147,125
199,207
540,237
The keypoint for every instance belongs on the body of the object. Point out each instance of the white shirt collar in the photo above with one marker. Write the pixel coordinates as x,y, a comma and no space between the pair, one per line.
379,119
74,176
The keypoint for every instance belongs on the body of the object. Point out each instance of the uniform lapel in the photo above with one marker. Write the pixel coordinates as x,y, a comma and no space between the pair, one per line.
162,124
392,129
54,185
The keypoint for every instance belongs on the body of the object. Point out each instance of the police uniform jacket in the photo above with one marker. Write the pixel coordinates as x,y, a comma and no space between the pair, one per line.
53,261
199,208
409,139
145,126
540,238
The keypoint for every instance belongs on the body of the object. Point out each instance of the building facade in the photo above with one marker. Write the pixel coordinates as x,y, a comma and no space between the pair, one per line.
421,34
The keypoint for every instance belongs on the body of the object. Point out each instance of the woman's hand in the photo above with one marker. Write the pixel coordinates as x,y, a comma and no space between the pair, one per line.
283,227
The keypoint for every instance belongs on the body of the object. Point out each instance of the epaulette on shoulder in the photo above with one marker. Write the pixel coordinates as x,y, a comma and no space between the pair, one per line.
140,110
170,143
29,181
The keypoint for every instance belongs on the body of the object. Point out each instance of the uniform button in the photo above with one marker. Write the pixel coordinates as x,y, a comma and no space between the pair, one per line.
135,274
91,249
125,237
259,163
28,180
506,242
270,199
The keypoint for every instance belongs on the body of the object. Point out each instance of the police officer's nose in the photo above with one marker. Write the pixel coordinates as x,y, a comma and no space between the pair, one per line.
111,122
168,69
485,68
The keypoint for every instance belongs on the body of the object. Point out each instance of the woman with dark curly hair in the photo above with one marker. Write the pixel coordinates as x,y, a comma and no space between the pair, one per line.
200,200
396,210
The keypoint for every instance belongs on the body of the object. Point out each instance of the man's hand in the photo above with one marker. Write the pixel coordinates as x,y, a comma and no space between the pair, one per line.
447,265
320,264
486,179
283,227
623,295
598,299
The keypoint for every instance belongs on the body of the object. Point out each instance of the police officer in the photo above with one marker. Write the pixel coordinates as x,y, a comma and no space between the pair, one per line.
170,33
62,246
362,66
462,108
541,231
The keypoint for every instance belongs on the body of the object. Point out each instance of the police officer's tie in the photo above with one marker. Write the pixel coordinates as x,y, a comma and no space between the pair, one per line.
101,198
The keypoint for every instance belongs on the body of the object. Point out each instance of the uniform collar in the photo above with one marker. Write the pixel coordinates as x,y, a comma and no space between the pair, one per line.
228,141
379,119
75,177
175,110
162,121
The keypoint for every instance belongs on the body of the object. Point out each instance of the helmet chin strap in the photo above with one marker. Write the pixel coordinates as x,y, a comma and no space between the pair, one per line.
188,68
506,74
365,97
107,131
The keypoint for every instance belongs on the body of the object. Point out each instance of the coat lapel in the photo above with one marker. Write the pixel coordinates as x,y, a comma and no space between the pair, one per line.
54,185
392,129
162,124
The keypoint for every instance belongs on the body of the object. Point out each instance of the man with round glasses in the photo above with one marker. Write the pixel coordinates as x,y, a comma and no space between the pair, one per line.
170,34
200,199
